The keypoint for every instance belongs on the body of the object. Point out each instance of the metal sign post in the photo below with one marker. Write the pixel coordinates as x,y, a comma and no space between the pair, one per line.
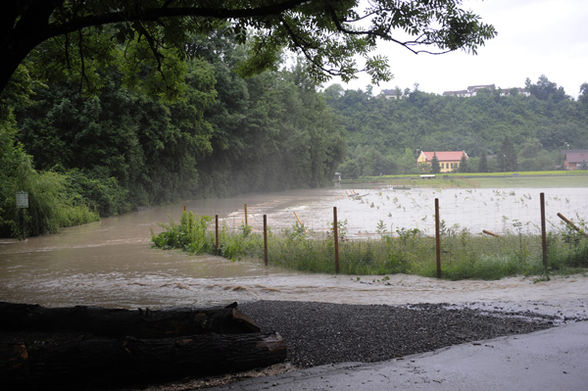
22,203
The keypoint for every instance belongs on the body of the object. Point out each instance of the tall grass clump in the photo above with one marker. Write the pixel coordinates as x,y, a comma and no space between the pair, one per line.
568,252
51,206
194,236
409,251
190,235
295,249
243,244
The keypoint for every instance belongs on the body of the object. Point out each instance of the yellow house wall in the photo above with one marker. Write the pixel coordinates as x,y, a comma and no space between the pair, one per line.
421,159
446,166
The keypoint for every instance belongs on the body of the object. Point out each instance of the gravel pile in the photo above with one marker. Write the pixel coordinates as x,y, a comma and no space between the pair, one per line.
323,333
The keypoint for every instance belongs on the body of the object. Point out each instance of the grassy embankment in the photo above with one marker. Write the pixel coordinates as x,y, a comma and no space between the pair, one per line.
547,179
409,251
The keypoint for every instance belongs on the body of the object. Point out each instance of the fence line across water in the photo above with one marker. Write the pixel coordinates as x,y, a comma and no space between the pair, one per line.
438,235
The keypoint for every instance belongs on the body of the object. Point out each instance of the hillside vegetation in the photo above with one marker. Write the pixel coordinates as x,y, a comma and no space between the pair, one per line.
384,135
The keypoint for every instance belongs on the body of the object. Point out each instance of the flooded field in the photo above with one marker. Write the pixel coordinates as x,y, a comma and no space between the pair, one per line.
497,210
111,263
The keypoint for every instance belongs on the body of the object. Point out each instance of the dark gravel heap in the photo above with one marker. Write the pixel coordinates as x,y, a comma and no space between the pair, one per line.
322,333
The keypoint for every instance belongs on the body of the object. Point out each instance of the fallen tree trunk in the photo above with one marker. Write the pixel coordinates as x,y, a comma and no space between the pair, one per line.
82,362
120,322
88,347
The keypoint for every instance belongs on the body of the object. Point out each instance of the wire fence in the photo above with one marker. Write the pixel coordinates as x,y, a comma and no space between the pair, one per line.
252,223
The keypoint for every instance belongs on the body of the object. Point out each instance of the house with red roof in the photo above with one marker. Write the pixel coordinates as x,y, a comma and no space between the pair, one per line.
449,161
576,159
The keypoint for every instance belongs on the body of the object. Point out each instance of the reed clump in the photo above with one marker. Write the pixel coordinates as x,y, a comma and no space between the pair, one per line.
409,251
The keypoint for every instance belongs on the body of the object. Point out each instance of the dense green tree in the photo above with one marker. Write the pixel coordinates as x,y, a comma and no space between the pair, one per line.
406,162
533,157
546,90
329,34
435,167
350,169
150,147
336,91
463,164
507,157
583,98
483,162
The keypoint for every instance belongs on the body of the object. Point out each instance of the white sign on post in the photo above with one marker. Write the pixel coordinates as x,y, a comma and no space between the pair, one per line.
22,199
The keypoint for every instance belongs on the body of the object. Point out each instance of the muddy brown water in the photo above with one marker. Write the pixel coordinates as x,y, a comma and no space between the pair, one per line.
111,262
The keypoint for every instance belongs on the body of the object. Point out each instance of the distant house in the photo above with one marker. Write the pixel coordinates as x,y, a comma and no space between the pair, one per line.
514,91
448,160
392,94
471,91
576,159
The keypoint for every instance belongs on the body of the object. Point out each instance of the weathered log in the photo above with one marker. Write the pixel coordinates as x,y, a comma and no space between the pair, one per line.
81,347
120,322
89,362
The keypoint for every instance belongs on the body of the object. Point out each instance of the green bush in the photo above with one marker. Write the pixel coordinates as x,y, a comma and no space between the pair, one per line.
102,194
51,204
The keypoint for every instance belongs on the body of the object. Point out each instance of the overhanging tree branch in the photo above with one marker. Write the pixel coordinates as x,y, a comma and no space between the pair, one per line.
298,44
153,14
327,33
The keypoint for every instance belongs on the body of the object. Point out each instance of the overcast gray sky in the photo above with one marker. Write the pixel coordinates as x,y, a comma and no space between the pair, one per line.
535,37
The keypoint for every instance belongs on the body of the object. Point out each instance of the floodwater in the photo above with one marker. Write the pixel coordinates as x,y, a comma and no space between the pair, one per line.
111,263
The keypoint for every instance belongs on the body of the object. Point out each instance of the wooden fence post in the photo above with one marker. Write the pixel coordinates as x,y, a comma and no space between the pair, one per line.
298,218
336,238
543,233
437,238
571,224
216,232
245,208
265,240
485,231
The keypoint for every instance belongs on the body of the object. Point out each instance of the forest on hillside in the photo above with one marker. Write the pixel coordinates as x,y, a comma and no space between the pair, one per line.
385,135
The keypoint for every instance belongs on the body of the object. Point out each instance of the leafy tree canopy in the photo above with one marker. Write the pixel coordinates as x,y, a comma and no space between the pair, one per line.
328,33
545,89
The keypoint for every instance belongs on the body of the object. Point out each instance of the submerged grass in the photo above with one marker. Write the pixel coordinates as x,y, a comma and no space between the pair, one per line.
464,256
